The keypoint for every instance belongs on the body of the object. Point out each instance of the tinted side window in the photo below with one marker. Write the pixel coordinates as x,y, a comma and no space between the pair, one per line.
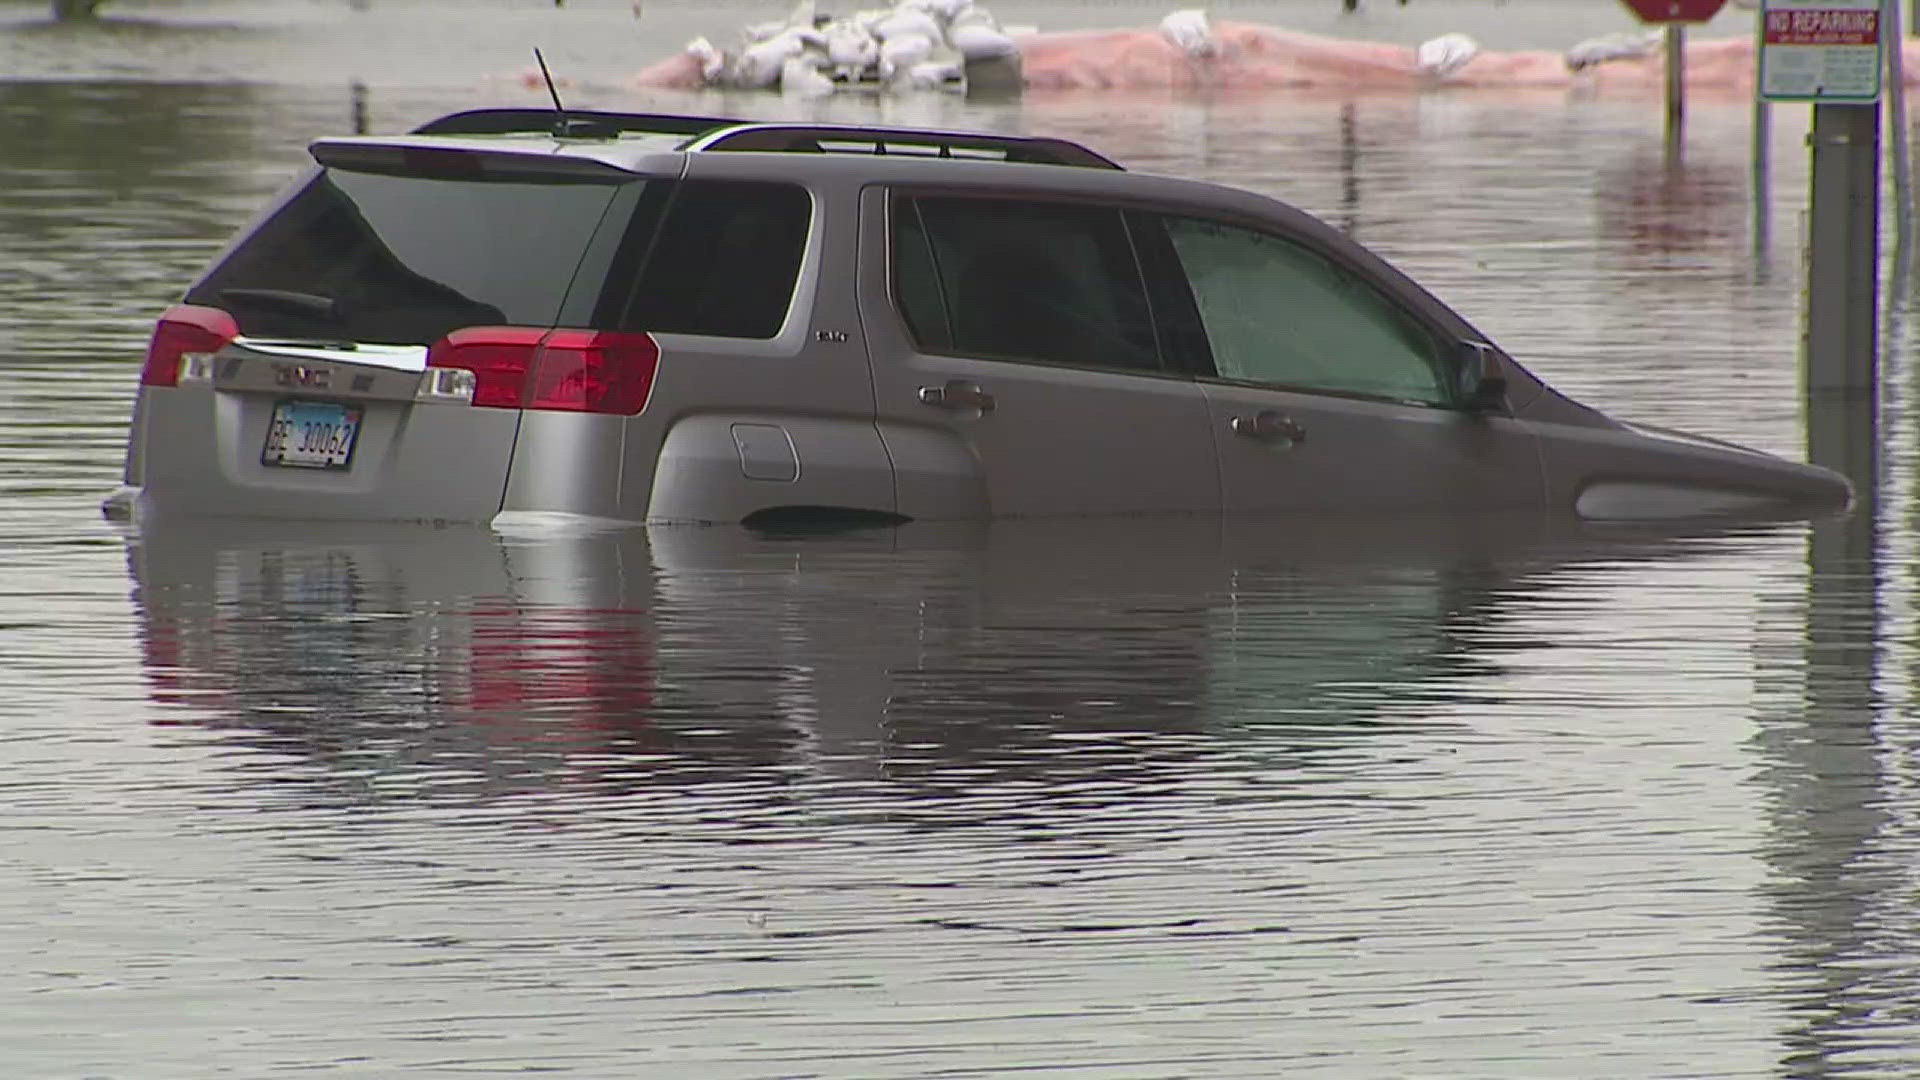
1026,281
916,282
724,260
1276,312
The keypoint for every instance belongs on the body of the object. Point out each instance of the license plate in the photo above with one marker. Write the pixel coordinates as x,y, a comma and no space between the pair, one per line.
311,435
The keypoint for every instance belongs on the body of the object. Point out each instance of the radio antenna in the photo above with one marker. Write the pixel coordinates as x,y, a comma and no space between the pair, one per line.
572,127
548,76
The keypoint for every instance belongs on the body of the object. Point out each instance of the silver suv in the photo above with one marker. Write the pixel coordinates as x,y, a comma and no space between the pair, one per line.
663,318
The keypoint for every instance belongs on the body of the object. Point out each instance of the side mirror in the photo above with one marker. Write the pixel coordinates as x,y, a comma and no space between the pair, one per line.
1480,385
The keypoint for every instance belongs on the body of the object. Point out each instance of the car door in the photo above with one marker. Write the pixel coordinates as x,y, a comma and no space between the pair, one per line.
1016,366
1324,389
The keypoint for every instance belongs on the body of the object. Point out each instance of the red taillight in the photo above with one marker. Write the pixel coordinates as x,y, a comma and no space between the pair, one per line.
185,329
574,370
593,371
498,356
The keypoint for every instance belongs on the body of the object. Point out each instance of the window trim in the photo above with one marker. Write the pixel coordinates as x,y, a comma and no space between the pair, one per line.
635,255
1207,371
900,195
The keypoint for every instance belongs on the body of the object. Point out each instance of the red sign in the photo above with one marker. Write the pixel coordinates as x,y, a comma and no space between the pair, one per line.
1667,11
1822,27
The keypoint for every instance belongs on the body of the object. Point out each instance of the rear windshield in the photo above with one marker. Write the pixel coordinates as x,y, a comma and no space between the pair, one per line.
377,257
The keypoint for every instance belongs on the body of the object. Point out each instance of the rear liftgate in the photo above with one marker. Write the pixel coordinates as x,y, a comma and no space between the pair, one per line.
365,432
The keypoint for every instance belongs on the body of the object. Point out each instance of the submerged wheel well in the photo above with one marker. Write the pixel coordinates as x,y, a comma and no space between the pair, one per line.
817,519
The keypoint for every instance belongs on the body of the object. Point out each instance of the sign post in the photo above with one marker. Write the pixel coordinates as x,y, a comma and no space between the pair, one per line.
1828,53
1896,70
1674,15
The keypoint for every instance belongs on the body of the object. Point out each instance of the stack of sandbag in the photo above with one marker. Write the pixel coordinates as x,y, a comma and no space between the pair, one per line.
1601,50
918,44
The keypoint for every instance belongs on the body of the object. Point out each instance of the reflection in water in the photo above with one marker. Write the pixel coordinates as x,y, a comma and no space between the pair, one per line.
1760,185
1844,907
1254,798
901,653
1841,907
1666,214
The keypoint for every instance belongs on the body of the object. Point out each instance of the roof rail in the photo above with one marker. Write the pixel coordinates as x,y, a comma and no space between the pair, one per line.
581,121
851,138
722,133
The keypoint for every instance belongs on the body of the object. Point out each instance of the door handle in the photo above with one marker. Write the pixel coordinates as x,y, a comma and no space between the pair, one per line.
957,394
1268,426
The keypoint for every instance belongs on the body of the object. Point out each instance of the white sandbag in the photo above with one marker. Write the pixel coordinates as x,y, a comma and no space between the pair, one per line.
943,10
759,65
1189,32
978,42
898,54
802,75
713,62
1601,50
850,50
868,18
754,33
902,22
934,75
971,15
1444,55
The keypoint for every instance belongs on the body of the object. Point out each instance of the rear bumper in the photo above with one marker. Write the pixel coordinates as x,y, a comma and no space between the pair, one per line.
200,454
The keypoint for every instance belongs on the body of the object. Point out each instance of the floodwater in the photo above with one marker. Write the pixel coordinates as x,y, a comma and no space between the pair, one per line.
1434,798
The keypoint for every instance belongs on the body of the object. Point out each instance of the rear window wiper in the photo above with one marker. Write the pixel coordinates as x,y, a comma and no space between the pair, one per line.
287,302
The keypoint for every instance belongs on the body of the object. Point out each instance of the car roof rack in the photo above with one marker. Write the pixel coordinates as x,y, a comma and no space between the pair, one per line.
858,139
723,133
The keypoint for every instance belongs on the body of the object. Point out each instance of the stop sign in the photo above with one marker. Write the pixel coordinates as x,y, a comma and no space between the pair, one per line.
1667,11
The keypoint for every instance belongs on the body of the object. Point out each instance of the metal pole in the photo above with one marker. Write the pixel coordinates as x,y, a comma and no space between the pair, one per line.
1349,170
1762,180
1897,129
1676,88
1843,271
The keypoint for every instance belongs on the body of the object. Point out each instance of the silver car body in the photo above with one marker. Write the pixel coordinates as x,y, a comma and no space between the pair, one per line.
845,409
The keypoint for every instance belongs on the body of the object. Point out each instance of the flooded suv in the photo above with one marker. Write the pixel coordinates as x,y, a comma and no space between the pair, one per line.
658,318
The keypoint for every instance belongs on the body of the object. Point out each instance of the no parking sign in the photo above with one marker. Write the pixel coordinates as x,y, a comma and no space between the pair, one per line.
1820,50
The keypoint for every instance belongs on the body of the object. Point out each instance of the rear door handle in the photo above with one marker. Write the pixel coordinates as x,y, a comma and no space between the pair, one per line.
1268,426
957,394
